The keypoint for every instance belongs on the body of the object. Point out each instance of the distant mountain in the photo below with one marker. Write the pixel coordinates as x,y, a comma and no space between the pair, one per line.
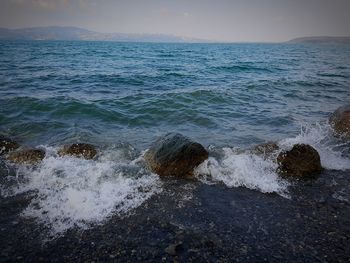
321,40
75,33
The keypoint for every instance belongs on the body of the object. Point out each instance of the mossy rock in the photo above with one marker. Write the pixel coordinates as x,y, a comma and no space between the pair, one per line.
301,161
31,156
175,154
81,150
340,121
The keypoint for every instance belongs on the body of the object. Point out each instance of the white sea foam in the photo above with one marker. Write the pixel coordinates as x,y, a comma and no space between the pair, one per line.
72,192
243,169
320,136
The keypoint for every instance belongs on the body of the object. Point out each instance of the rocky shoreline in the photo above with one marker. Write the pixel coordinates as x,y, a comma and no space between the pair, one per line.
194,222
214,224
175,154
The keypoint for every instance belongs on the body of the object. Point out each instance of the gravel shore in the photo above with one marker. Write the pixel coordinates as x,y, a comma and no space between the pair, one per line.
194,222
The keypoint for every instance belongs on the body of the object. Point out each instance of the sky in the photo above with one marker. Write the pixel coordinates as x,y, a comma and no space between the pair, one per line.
218,20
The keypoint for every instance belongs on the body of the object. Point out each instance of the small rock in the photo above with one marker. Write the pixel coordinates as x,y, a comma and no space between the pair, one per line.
31,156
84,150
340,121
302,160
173,249
266,150
7,145
175,154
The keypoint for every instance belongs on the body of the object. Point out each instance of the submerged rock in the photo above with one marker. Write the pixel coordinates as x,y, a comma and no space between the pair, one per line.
175,154
340,121
84,150
266,150
7,145
302,160
31,156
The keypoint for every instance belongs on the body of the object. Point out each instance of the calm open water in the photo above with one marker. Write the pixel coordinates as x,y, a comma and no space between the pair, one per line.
121,96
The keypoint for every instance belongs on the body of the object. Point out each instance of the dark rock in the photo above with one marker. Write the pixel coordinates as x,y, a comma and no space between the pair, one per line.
302,160
266,150
173,249
31,156
7,145
175,154
84,150
340,121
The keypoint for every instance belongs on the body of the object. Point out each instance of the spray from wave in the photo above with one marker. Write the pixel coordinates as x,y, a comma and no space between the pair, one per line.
243,169
333,151
237,168
68,192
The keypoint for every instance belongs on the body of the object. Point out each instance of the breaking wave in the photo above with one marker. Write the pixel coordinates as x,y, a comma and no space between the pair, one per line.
334,152
243,169
237,168
68,191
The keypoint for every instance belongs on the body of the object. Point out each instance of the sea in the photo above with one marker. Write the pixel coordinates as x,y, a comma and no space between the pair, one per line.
121,97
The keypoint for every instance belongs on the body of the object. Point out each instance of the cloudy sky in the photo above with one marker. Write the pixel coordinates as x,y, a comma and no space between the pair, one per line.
221,20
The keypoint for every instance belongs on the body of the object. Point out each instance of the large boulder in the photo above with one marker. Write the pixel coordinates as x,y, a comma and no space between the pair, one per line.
340,121
175,154
302,160
30,156
83,150
7,145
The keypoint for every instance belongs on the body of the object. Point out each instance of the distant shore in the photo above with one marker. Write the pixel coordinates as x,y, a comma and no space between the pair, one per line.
57,33
321,40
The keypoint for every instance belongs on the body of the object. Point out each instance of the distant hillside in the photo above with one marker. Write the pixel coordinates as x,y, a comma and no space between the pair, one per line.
321,40
75,33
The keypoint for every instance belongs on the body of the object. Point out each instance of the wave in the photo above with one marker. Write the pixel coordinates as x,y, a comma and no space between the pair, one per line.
334,152
68,192
333,75
241,168
246,68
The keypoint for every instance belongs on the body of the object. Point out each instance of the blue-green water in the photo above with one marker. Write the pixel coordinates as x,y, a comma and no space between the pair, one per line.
221,94
121,96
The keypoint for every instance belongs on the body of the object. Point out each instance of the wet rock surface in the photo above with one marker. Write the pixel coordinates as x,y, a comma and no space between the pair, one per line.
340,121
29,156
266,150
175,154
82,150
301,161
217,224
7,145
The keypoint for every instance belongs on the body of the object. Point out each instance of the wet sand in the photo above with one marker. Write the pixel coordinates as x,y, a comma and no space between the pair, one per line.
194,222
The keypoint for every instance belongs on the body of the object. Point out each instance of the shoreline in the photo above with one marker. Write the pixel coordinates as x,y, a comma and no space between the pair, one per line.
203,223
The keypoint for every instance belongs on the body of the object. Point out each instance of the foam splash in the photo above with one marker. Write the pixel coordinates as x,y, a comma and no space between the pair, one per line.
320,136
72,192
243,169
